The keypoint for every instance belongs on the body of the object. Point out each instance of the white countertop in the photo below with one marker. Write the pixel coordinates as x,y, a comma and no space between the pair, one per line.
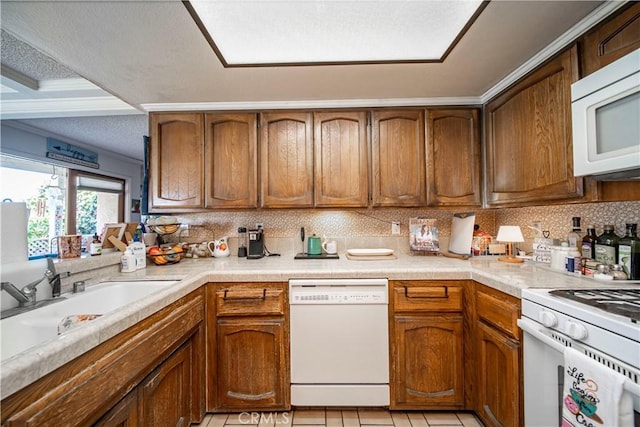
27,367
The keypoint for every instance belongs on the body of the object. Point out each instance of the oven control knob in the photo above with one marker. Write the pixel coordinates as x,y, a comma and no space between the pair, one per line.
575,330
548,319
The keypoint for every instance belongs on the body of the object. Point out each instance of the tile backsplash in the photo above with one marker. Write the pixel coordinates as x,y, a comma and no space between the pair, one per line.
557,219
286,223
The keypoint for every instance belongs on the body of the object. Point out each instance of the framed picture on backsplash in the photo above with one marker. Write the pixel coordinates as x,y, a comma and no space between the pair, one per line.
423,235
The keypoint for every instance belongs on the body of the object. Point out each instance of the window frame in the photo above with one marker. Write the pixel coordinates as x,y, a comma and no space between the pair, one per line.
72,194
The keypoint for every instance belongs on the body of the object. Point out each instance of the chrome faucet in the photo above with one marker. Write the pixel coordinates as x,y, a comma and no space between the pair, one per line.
27,295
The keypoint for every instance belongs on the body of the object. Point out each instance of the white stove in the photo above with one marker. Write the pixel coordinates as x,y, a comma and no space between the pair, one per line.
603,324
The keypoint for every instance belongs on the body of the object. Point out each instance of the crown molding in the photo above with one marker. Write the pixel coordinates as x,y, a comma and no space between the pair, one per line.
312,104
64,107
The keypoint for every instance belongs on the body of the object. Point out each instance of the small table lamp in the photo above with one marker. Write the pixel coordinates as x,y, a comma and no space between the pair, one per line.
510,234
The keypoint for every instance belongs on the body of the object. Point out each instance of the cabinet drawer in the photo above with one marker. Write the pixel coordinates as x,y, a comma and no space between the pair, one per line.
498,313
245,301
432,298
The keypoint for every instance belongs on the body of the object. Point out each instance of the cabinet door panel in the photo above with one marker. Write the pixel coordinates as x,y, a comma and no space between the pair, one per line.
231,168
453,157
124,414
341,159
398,156
176,177
611,40
286,148
529,146
251,363
166,392
428,361
499,379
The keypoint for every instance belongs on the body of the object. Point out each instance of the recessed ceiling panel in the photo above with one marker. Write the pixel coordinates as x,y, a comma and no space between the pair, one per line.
306,32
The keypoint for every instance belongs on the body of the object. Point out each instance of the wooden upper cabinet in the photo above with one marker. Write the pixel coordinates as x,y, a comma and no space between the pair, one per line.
231,161
611,40
528,140
398,158
176,176
286,160
341,159
453,157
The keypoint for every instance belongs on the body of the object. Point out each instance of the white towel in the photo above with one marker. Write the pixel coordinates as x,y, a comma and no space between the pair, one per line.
593,394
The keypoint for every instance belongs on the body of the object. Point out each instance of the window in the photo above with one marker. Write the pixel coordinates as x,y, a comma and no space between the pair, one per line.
61,201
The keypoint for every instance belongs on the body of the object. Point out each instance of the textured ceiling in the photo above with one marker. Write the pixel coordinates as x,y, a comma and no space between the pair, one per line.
151,55
22,57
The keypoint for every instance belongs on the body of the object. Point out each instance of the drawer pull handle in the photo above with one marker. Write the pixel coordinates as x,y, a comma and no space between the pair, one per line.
260,297
429,294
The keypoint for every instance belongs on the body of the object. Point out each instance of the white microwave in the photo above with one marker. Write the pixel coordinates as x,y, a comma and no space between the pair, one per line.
605,109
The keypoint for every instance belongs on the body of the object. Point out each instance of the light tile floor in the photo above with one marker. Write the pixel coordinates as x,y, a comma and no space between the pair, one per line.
341,417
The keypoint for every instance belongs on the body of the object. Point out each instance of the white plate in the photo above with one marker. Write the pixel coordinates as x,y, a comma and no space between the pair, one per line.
369,252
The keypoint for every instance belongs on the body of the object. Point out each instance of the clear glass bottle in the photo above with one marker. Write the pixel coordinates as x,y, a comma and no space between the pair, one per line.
589,242
573,238
629,252
607,246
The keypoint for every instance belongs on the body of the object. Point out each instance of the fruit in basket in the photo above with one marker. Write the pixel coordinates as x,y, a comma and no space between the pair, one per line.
157,255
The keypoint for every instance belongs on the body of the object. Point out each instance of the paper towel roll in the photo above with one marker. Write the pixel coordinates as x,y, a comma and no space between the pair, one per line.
14,219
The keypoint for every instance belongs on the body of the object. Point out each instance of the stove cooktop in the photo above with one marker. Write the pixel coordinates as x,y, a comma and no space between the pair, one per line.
623,302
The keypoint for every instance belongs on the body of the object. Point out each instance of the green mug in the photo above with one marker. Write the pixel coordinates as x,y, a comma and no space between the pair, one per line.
314,246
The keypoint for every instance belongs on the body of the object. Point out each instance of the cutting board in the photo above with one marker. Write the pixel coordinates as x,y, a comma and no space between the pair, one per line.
370,257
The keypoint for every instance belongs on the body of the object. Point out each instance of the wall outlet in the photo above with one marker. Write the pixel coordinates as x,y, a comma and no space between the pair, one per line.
395,227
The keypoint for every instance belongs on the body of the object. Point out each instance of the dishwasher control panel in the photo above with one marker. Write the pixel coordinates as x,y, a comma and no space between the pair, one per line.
339,297
338,291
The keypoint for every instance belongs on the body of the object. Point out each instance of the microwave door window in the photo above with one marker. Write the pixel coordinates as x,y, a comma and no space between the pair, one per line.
618,126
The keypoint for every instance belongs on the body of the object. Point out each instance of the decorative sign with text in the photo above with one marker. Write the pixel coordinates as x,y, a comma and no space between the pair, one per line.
69,153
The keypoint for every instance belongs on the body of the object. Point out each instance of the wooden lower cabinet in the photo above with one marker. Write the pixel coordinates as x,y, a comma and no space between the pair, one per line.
249,341
498,402
165,394
162,399
428,362
250,368
149,374
499,381
124,414
427,345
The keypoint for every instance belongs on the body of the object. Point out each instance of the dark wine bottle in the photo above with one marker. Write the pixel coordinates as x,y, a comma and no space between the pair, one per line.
629,252
589,243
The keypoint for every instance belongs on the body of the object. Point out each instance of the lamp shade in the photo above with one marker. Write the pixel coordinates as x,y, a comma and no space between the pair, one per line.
509,233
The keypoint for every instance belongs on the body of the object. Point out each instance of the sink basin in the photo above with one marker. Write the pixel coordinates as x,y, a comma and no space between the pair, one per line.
39,325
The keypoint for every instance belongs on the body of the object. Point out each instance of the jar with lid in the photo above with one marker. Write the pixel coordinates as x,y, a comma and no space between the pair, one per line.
607,246
617,272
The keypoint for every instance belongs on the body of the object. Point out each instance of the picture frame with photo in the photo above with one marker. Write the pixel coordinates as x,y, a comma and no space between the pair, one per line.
423,236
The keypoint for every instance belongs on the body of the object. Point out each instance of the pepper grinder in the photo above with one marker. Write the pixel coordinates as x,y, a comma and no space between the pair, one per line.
242,242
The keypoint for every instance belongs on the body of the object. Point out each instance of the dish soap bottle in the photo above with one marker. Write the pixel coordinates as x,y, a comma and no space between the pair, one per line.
589,243
629,252
607,246
128,262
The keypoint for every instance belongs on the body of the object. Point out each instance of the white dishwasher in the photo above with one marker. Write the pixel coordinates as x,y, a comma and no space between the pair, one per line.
339,338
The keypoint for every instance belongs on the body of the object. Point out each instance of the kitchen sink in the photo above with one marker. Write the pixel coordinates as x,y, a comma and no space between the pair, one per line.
39,325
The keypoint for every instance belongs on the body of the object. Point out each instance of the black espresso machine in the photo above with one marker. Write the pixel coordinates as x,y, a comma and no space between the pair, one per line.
256,244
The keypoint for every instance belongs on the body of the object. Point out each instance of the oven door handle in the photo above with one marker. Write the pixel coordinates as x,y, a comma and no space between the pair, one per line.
533,329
